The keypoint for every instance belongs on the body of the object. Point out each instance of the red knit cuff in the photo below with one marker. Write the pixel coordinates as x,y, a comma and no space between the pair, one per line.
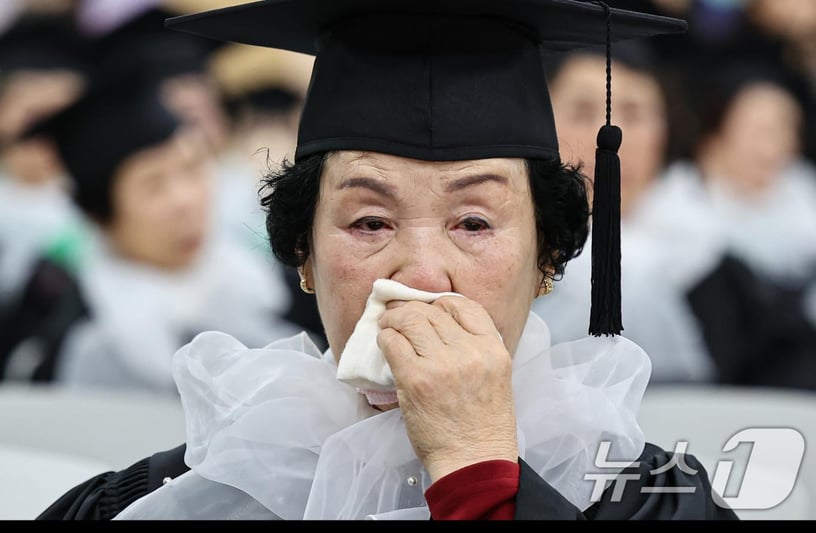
483,491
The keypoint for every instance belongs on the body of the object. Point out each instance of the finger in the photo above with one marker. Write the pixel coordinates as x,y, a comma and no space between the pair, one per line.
397,350
448,329
469,314
436,316
411,320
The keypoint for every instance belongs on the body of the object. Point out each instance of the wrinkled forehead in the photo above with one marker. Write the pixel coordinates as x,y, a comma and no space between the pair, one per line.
396,170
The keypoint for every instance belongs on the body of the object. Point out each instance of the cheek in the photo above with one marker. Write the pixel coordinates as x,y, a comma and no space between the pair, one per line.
142,219
155,213
342,283
642,152
505,280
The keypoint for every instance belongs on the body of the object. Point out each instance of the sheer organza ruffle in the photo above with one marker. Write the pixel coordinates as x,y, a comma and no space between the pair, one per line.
271,433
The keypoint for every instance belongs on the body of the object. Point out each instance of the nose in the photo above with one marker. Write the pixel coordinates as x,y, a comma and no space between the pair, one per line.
424,259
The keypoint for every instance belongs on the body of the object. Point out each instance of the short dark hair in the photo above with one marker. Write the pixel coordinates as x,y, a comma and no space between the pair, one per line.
96,202
289,197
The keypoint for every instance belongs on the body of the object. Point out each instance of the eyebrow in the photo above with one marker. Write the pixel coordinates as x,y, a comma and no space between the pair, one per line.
369,183
389,191
469,181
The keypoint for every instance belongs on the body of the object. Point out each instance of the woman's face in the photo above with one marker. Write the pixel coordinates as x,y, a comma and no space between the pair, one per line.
758,138
161,204
579,104
465,226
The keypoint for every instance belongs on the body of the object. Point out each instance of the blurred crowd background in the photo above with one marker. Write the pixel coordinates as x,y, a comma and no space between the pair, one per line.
131,160
132,157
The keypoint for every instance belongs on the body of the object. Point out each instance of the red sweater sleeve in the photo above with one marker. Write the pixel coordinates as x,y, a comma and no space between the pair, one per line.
483,491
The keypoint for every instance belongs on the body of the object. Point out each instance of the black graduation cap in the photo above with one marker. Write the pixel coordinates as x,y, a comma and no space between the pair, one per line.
42,42
94,136
143,44
445,80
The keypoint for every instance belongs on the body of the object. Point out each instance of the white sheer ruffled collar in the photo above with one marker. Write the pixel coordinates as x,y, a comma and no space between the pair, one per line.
271,433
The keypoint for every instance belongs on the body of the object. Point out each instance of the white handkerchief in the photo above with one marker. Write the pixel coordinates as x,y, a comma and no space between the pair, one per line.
362,363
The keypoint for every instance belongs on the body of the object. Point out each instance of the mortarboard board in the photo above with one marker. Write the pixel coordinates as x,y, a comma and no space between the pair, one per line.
445,80
110,122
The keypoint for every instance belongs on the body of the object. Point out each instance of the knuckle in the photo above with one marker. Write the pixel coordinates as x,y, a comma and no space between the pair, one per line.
413,307
387,339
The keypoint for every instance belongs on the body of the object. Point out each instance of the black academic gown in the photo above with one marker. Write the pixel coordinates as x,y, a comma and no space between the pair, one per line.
104,496
50,305
756,331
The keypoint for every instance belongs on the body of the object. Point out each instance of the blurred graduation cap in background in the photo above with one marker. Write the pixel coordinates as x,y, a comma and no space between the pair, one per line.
141,43
443,80
42,42
112,121
44,64
261,80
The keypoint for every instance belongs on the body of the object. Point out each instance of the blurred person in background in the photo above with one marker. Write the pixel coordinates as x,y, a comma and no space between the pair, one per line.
131,34
264,90
149,274
722,32
42,70
792,24
749,198
750,173
655,274
200,81
688,295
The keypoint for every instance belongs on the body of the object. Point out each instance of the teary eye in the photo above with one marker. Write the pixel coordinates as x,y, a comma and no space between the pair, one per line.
473,224
369,224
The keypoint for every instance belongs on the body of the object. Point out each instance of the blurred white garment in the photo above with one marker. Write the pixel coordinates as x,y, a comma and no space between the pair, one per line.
272,433
141,315
774,234
655,313
31,217
669,244
675,214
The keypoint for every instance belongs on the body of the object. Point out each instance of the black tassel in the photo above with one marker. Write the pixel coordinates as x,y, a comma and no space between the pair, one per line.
605,316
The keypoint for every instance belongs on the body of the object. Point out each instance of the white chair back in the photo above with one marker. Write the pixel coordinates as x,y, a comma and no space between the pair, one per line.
53,438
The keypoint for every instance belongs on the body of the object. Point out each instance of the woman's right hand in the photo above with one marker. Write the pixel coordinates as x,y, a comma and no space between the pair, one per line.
453,378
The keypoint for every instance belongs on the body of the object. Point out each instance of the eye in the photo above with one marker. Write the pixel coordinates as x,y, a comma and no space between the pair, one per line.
474,224
370,224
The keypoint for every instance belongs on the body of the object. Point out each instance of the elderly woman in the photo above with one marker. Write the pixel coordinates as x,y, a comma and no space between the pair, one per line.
426,209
